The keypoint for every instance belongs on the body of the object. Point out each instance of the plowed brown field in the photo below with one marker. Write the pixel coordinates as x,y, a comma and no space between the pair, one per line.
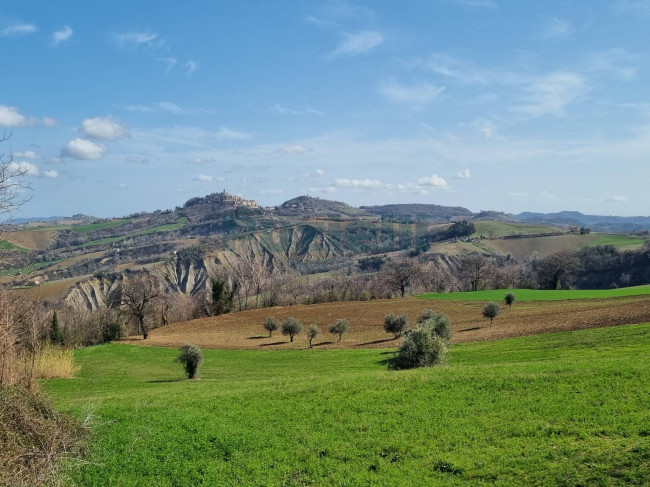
244,330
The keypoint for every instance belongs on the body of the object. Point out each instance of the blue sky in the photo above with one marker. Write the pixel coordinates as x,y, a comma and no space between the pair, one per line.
119,107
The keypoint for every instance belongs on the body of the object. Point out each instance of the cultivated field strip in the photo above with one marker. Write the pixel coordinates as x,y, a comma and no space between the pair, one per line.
243,330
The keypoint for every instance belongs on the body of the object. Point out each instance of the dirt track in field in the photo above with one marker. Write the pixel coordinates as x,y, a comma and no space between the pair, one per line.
244,330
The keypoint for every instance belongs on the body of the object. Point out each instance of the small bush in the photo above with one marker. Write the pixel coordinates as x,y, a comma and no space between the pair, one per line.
509,299
312,333
291,327
396,325
271,324
340,327
491,310
191,358
422,347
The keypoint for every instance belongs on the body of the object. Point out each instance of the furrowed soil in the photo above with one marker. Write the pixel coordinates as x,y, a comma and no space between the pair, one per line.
243,330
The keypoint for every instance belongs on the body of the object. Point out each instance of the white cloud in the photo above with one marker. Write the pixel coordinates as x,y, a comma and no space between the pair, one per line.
137,160
201,161
191,66
272,191
204,178
25,167
62,35
17,29
433,180
133,40
225,133
293,149
614,198
319,172
359,183
284,110
550,94
121,186
464,174
170,107
546,194
556,28
50,122
84,150
324,189
11,117
358,43
418,95
103,128
618,62
32,170
169,61
28,154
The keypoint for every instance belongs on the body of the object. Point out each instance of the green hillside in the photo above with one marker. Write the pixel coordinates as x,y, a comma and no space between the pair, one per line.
539,295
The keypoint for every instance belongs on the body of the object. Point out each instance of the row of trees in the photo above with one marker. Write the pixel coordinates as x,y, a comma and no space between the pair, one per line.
292,327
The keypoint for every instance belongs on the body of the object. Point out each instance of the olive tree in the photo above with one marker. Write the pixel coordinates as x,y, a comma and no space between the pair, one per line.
291,327
422,347
271,324
438,322
396,325
191,358
491,310
340,327
312,333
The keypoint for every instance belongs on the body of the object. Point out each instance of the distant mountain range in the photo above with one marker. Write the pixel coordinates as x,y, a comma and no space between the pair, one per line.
600,223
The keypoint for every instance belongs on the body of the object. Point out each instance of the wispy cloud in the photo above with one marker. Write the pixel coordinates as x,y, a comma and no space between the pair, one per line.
11,29
616,198
617,61
137,160
417,95
556,28
28,154
61,36
135,39
225,133
358,43
190,67
464,174
550,94
433,180
285,110
170,62
203,178
293,149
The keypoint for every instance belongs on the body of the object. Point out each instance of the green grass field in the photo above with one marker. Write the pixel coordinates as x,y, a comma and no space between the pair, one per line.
539,294
557,409
619,241
4,245
501,229
91,227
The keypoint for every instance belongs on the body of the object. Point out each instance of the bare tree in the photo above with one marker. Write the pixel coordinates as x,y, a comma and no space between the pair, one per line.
400,274
140,295
14,190
475,268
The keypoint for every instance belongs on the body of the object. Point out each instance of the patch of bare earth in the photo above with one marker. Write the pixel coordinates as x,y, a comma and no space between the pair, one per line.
244,330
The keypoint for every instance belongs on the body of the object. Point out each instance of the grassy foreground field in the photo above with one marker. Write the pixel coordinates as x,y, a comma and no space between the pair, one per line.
524,295
557,409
